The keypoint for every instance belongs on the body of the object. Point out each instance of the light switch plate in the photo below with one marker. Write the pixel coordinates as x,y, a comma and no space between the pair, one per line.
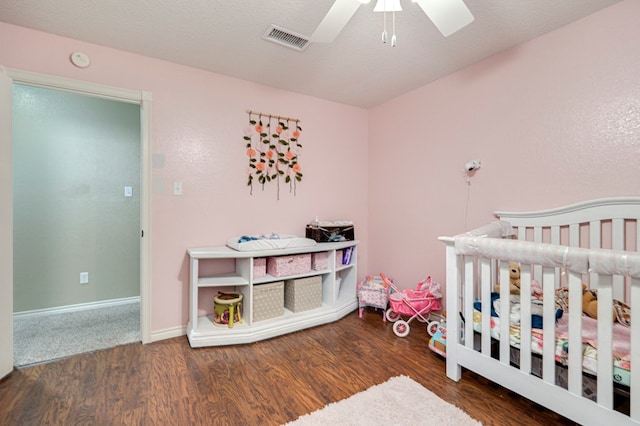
177,188
128,191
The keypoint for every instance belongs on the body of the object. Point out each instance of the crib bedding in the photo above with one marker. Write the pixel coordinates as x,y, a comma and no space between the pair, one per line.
621,346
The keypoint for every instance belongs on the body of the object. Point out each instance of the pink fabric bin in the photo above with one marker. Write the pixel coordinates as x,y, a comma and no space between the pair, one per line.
280,266
259,267
320,261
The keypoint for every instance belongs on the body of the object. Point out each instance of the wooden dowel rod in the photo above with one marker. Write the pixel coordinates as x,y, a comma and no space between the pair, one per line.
272,116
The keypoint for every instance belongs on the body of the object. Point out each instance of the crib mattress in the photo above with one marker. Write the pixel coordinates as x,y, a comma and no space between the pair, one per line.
621,364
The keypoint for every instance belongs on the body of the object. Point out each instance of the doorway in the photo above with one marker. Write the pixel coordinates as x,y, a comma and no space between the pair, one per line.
76,210
77,259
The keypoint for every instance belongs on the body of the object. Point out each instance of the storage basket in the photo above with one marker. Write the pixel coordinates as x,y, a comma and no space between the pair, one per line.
268,301
324,233
259,267
320,261
280,266
303,294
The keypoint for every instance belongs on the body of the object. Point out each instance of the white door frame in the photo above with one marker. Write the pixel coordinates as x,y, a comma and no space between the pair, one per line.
129,96
6,227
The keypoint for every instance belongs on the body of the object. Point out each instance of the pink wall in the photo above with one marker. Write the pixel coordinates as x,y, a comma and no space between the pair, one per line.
198,119
554,121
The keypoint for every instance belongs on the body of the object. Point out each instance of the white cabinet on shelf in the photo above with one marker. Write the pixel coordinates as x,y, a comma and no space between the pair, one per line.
338,293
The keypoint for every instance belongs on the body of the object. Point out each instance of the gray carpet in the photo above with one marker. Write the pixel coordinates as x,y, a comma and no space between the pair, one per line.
48,337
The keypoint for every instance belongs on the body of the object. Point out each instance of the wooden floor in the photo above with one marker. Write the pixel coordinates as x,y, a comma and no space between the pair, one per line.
266,383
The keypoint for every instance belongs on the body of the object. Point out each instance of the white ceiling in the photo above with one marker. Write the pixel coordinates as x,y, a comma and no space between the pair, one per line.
225,36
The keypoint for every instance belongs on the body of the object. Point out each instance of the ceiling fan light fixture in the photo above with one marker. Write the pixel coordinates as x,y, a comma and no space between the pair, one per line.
448,16
385,6
388,6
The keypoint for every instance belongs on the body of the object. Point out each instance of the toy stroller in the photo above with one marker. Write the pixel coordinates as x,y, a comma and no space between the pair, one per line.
413,303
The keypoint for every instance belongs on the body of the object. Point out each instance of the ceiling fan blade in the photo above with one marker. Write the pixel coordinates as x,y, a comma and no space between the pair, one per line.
335,20
447,15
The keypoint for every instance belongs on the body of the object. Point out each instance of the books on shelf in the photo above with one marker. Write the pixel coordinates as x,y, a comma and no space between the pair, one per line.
346,255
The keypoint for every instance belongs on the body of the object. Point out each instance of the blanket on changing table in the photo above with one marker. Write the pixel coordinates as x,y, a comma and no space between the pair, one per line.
269,242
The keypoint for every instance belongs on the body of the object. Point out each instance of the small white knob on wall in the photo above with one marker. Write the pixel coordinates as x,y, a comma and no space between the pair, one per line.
472,165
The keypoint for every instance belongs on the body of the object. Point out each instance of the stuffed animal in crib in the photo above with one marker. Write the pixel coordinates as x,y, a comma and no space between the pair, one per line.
590,303
514,279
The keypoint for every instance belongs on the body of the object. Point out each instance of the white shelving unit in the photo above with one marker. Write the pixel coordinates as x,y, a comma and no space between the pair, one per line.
336,303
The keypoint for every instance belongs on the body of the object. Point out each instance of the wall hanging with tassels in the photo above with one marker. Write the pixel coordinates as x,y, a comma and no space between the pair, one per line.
273,146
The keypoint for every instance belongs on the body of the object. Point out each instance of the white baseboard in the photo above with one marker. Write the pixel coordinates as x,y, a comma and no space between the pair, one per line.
168,333
78,307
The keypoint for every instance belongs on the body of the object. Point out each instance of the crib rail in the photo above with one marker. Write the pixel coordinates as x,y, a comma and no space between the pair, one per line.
477,262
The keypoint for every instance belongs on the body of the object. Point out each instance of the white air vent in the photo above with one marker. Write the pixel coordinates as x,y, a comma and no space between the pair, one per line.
286,38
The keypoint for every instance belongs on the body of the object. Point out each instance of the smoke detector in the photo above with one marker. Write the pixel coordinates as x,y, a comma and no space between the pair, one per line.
80,60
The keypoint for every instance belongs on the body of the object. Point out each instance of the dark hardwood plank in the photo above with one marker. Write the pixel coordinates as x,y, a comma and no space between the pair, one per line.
265,383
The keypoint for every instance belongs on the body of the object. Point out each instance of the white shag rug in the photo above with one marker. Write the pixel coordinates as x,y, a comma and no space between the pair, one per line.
400,400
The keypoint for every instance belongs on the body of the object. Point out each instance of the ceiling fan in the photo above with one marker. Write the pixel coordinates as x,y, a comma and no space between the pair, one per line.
448,16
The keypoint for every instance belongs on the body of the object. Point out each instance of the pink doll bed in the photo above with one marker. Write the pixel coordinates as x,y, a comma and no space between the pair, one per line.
592,243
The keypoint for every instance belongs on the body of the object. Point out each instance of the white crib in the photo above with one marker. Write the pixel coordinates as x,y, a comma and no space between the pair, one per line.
595,243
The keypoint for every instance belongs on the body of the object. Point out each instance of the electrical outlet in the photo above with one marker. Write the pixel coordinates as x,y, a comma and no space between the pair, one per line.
84,278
